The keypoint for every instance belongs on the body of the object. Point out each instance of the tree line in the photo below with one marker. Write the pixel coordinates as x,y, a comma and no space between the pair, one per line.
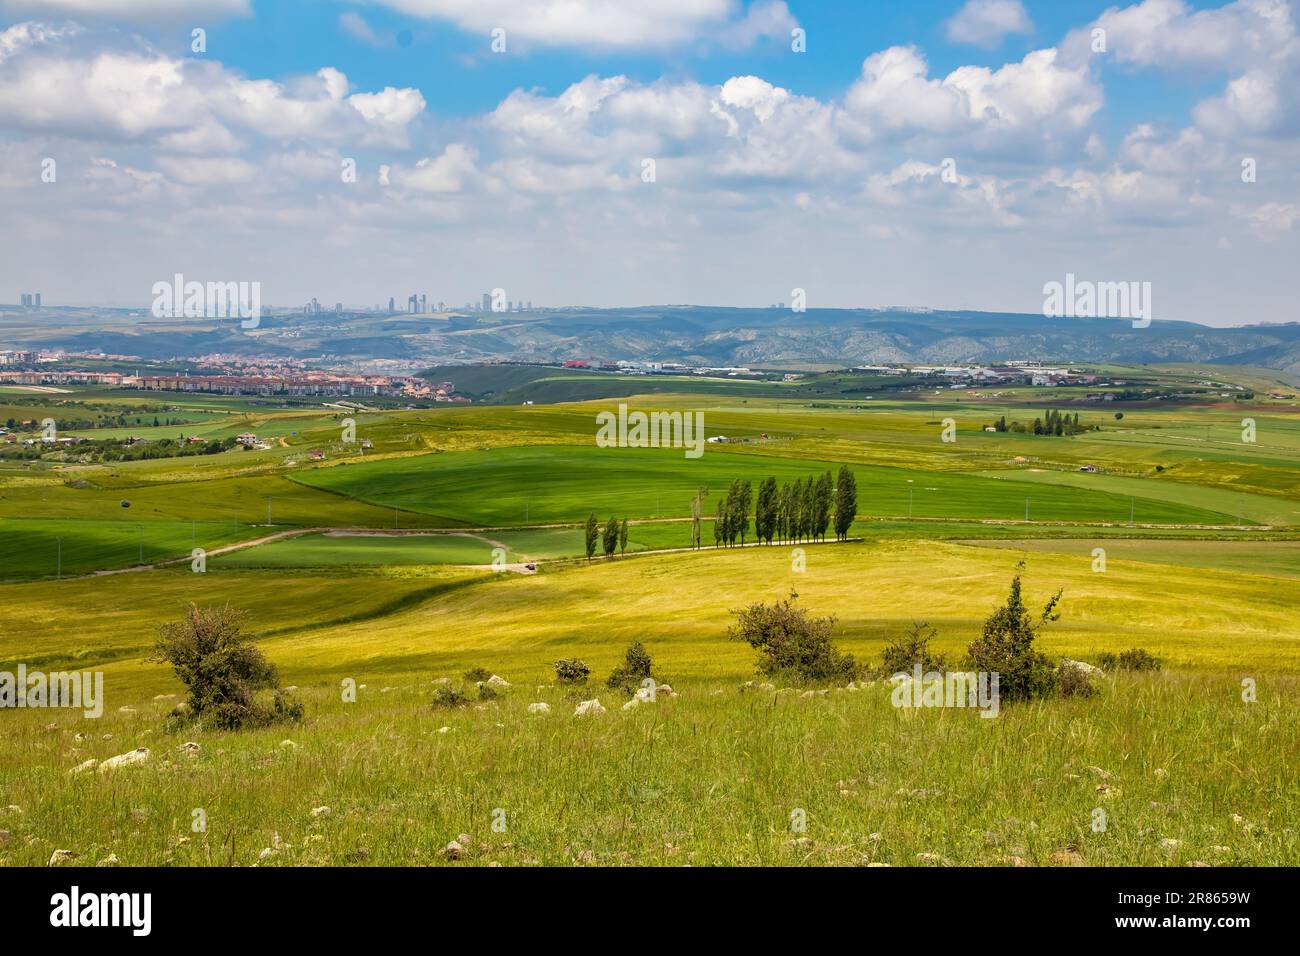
801,510
1052,423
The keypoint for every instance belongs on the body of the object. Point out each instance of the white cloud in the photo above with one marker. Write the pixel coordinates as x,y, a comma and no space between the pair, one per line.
135,10
359,28
987,22
614,24
91,90
1170,34
1034,104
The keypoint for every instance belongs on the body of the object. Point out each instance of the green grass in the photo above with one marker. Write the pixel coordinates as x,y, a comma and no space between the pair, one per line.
563,483
81,546
711,777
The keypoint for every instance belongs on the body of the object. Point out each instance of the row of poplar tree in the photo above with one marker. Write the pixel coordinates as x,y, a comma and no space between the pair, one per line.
801,510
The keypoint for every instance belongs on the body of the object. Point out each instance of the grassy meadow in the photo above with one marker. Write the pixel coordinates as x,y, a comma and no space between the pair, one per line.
373,568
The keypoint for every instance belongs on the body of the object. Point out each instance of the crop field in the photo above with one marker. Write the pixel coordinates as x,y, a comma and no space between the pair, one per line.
373,568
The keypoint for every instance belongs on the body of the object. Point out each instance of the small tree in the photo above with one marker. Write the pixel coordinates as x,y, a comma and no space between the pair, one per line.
593,532
1006,647
611,537
622,537
222,670
903,653
634,669
792,643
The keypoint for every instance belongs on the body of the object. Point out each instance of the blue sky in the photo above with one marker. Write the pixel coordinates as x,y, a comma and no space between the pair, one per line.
945,153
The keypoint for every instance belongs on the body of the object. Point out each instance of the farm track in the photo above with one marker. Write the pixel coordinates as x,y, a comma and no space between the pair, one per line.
479,534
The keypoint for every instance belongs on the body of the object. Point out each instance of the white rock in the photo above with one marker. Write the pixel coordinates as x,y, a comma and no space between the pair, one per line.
634,703
665,690
321,811
288,744
495,681
541,707
444,730
139,755
59,857
126,710
1089,669
588,707
190,748
84,766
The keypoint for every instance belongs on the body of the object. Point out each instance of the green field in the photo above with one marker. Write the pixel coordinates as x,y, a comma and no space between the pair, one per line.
373,565
564,483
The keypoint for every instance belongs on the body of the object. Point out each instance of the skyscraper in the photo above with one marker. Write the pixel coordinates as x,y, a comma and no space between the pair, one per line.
38,300
487,302
392,304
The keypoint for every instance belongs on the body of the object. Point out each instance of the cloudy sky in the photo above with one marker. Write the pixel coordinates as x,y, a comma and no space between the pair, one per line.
931,153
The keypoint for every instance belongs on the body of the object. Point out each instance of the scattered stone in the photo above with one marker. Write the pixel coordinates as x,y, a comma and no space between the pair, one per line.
1015,861
288,744
110,860
444,730
665,690
164,696
266,853
1067,857
126,710
1161,772
59,857
84,766
321,811
51,727
932,858
385,690
1089,669
634,703
495,681
80,736
541,707
1170,844
588,708
454,850
190,748
139,755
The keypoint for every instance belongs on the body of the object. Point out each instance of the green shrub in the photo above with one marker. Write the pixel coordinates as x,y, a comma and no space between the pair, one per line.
223,671
793,644
487,692
1006,646
1134,659
571,671
1075,682
476,674
903,653
635,668
446,696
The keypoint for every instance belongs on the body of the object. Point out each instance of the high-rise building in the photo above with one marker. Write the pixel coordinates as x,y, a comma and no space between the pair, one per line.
487,302
338,307
27,300
424,303
392,304
38,300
